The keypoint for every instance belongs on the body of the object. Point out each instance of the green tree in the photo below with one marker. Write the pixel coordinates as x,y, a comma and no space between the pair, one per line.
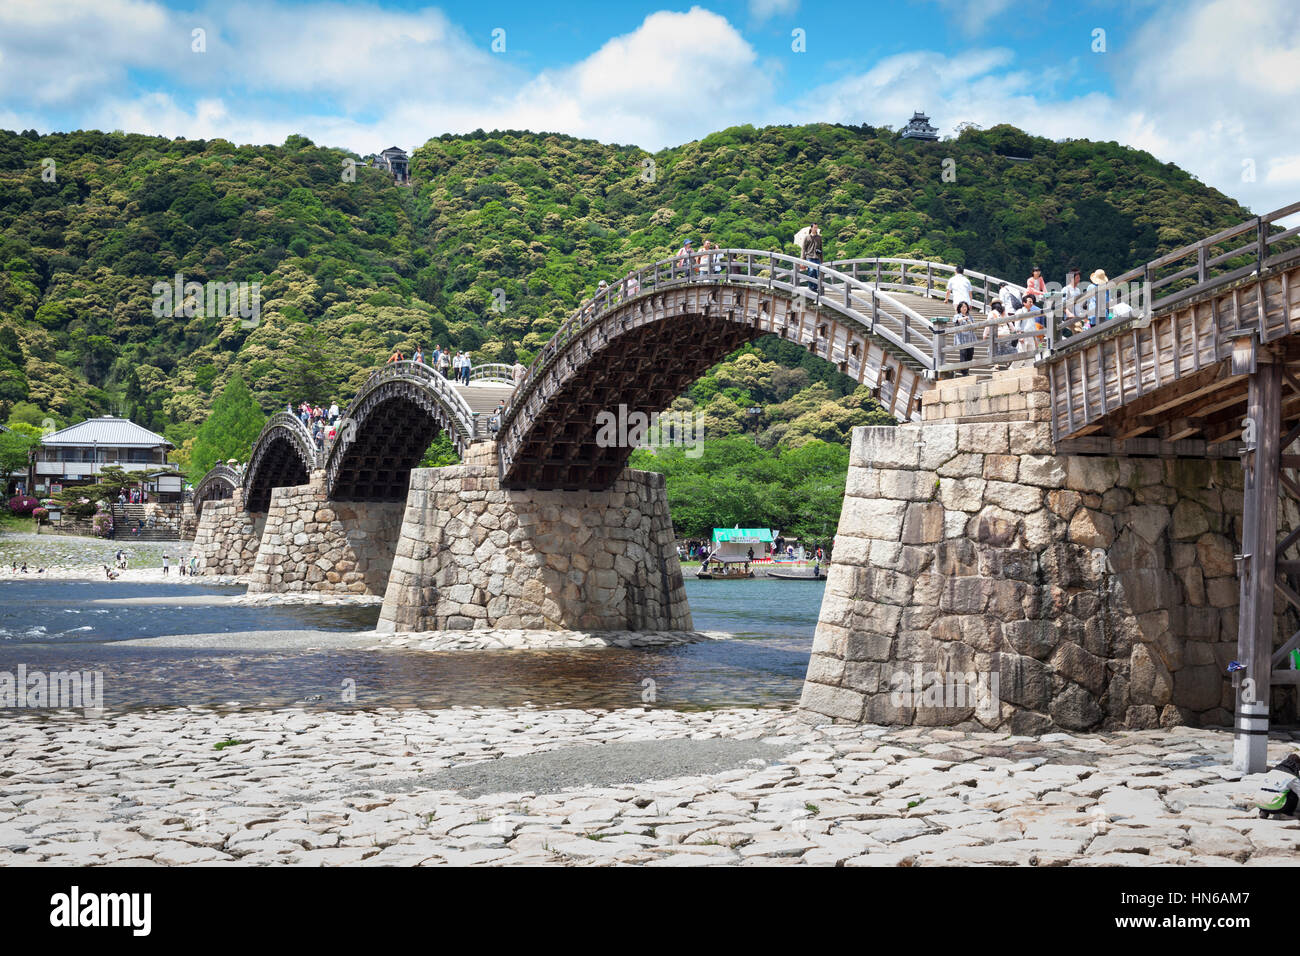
230,430
15,449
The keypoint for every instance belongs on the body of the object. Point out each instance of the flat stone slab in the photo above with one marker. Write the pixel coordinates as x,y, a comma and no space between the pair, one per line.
569,787
519,639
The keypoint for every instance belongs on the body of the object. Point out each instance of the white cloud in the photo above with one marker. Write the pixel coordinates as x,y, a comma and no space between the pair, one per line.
1206,84
396,76
677,76
61,54
972,16
762,10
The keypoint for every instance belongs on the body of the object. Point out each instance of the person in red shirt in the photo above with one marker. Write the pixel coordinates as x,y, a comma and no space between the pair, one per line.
1036,285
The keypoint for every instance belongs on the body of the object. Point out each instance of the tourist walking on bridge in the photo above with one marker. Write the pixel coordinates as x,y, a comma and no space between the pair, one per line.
958,288
1031,321
1071,306
684,255
466,366
965,337
444,361
1036,285
811,249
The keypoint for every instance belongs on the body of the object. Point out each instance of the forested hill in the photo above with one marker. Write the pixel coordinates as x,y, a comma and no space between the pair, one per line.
351,270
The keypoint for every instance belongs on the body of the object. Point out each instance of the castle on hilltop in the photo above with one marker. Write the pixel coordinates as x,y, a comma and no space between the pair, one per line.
918,127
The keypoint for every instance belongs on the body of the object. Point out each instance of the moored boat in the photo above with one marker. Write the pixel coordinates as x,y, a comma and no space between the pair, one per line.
814,575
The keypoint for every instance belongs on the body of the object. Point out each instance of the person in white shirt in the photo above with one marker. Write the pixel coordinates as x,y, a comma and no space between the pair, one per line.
1031,320
958,290
334,412
1007,296
1075,321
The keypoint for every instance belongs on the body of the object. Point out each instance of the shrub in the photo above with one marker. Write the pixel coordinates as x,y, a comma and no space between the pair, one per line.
40,514
102,523
22,504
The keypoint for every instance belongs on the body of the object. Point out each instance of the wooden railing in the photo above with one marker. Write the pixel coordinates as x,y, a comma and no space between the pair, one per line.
868,291
427,376
1185,273
892,322
223,474
291,422
493,372
921,277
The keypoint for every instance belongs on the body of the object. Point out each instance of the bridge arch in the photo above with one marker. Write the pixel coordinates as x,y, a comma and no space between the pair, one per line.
396,414
642,341
283,455
218,484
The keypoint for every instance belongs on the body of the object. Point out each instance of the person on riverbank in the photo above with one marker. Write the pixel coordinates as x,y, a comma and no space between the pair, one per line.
194,565
166,563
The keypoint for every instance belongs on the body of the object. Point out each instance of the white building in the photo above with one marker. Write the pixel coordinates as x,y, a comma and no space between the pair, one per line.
78,454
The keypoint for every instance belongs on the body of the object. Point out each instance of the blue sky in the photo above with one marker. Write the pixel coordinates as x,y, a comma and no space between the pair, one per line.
1208,84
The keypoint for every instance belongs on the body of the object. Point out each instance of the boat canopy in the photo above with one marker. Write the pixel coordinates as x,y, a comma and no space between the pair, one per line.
742,535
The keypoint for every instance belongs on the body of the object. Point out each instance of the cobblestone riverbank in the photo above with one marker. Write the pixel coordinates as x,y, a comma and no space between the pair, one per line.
578,787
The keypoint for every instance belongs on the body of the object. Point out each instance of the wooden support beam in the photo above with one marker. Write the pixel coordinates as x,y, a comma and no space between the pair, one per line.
1258,568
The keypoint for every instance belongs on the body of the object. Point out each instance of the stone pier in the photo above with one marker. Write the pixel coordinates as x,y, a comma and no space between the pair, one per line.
227,537
313,544
1080,592
473,555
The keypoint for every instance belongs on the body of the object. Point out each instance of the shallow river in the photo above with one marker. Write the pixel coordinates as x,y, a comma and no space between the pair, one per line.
53,626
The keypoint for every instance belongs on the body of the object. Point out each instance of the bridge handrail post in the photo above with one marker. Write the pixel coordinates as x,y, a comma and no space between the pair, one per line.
1053,304
936,360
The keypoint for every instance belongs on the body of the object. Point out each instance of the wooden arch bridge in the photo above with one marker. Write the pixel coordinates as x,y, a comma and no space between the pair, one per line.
1193,353
1149,367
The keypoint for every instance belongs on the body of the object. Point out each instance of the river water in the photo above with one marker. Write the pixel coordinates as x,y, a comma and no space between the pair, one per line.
58,626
